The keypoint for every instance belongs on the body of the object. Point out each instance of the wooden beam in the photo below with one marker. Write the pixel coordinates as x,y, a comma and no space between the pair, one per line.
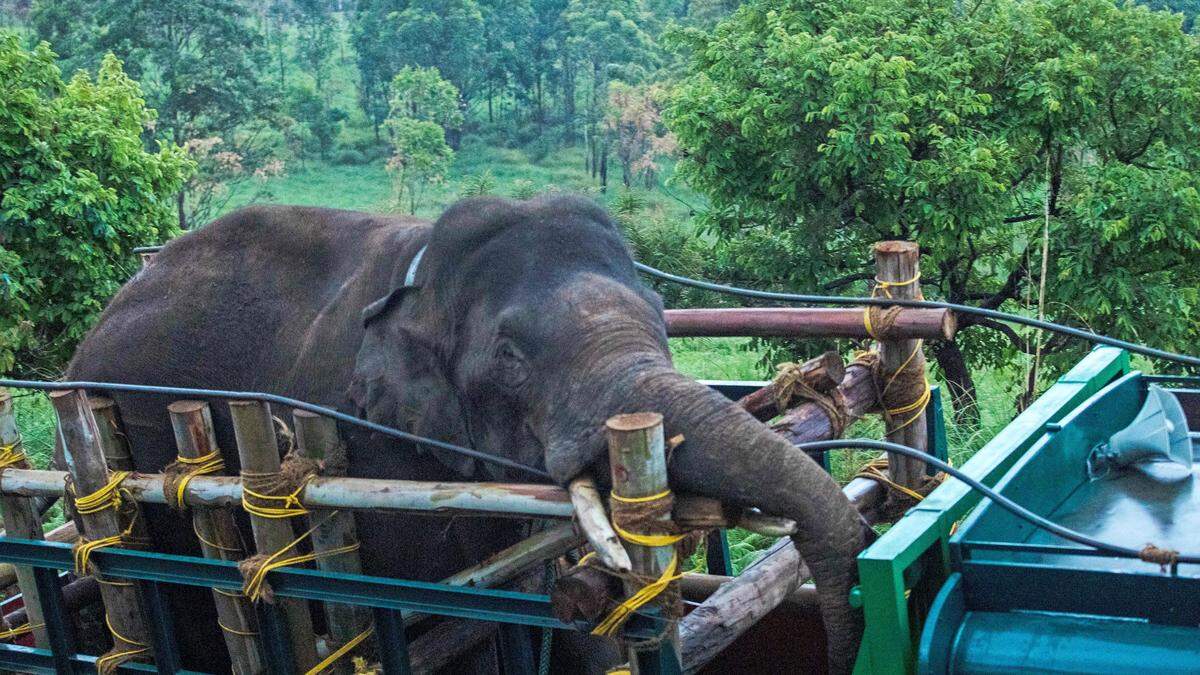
638,461
219,538
259,453
85,459
21,520
897,263
823,373
804,322
317,438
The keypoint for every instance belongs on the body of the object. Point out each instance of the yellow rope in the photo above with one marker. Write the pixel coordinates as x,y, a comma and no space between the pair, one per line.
617,618
204,465
341,651
873,471
10,456
19,631
212,544
253,587
292,505
243,633
229,594
106,497
110,661
641,500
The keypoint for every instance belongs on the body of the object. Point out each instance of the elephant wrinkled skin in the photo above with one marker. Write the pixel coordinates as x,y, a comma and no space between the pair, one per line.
526,328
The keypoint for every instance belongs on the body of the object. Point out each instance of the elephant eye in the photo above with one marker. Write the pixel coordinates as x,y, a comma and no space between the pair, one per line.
511,367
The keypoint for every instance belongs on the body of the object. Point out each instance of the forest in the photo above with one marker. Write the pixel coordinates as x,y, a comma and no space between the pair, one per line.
1040,151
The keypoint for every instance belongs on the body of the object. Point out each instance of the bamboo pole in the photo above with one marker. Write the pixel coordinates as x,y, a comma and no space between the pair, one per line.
85,458
115,445
219,538
804,322
259,453
638,461
21,520
317,438
896,262
503,500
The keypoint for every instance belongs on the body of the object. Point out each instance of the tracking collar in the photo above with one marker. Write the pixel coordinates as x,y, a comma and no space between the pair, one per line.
410,278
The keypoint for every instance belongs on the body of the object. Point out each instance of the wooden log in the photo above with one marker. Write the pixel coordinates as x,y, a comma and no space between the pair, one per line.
698,587
115,445
259,453
21,520
75,595
804,322
897,262
824,374
85,460
438,647
592,519
638,461
511,500
219,538
317,438
702,513
507,564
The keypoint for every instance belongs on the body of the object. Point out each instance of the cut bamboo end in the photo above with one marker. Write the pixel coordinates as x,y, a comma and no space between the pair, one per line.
634,421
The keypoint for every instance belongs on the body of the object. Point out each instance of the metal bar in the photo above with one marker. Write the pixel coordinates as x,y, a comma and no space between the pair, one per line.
805,322
393,643
59,629
161,627
431,598
716,553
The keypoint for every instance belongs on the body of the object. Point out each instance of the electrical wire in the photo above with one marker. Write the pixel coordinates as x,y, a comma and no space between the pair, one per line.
1048,326
1000,500
278,400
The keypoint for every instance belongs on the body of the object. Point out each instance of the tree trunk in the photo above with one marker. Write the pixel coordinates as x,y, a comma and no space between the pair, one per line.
179,206
958,378
603,167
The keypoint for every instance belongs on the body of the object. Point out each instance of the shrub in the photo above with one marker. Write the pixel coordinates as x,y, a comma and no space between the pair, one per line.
349,157
522,188
479,184
79,192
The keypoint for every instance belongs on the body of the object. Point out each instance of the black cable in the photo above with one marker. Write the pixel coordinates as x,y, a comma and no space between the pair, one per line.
278,400
926,304
1004,502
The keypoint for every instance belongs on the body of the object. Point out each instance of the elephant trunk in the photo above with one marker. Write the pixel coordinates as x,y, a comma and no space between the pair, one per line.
730,456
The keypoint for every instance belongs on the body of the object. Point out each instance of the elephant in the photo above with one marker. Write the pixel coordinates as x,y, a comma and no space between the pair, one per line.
512,327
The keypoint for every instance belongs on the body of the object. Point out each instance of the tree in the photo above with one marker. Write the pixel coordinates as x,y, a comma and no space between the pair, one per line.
423,107
200,64
607,36
315,28
377,56
77,192
447,35
321,120
634,121
818,128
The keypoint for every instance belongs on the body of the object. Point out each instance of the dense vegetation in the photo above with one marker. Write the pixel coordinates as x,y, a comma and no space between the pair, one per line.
765,142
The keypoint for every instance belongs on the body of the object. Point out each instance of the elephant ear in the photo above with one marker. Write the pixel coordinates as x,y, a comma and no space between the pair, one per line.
398,381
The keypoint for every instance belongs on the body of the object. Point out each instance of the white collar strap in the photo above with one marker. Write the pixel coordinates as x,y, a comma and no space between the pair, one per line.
410,279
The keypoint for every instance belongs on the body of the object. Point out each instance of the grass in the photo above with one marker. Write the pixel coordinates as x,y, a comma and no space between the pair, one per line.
511,172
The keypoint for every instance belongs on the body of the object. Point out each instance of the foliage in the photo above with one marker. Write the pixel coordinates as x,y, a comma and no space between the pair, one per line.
79,192
321,121
634,121
423,107
523,188
479,184
818,128
199,62
446,35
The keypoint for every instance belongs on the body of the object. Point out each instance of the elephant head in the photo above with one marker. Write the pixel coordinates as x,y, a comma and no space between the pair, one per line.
525,326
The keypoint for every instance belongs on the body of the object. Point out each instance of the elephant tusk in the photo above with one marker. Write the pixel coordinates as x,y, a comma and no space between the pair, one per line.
589,512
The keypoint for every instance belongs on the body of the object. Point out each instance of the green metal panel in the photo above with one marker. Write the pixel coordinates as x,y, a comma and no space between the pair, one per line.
889,635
